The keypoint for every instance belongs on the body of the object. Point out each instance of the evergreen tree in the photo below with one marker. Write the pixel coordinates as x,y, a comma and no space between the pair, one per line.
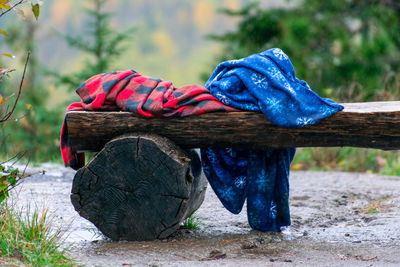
347,50
36,128
101,43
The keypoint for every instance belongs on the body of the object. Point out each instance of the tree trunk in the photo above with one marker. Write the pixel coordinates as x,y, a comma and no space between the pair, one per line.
371,124
139,188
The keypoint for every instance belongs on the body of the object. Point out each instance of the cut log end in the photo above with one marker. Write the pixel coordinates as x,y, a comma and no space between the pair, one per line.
139,188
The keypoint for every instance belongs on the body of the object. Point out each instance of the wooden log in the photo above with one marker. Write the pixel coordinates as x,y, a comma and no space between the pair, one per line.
371,125
139,188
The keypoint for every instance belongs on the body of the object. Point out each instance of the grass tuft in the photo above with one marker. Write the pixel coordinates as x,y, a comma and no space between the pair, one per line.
29,238
191,222
377,206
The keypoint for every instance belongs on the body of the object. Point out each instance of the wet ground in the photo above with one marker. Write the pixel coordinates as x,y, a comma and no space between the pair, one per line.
338,219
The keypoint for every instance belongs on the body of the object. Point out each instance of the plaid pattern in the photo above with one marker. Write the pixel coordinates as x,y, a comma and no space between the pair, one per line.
146,96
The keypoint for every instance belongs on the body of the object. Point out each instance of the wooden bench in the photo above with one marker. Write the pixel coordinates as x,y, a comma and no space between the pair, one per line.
144,182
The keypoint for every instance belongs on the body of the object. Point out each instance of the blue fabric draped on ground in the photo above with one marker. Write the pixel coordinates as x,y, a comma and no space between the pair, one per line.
263,82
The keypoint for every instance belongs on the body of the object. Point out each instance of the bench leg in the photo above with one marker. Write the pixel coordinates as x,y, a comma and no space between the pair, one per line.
139,187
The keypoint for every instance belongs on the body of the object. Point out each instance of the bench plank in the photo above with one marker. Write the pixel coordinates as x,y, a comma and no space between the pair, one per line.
369,124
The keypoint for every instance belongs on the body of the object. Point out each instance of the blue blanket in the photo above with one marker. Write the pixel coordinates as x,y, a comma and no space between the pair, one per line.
263,82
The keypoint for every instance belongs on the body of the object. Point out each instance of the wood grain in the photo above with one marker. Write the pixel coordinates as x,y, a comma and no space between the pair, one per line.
370,124
139,188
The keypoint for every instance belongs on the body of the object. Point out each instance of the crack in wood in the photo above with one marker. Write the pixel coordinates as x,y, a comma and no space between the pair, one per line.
91,182
137,147
180,207
168,229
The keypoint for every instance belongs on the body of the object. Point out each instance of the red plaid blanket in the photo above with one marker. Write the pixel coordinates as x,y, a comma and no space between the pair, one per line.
131,91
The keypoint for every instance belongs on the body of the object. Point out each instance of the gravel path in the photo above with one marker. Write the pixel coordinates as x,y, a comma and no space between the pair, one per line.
338,219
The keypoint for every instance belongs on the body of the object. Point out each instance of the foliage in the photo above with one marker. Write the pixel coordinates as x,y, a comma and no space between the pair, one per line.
346,50
10,176
37,128
191,222
101,43
348,159
30,239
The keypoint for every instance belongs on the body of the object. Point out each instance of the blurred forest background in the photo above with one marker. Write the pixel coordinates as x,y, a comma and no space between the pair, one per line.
347,50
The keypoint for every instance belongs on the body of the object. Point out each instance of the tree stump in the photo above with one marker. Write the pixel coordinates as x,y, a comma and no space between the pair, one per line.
139,188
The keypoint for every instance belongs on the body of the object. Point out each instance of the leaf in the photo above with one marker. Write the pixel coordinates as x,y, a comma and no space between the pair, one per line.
3,100
12,180
2,196
4,4
7,55
3,32
36,10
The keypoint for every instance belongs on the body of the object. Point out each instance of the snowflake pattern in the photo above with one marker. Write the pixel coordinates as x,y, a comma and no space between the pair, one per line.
262,82
303,121
227,193
273,211
240,182
223,98
251,107
225,84
278,76
280,54
259,80
324,111
273,103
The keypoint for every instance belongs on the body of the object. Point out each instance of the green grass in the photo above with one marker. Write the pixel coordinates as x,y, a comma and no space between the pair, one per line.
30,239
348,159
191,222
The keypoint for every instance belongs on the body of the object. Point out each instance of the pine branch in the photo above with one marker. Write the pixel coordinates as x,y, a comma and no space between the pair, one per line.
79,42
101,43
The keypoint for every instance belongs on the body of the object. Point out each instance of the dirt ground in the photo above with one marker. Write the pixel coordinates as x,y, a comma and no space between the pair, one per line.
338,219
